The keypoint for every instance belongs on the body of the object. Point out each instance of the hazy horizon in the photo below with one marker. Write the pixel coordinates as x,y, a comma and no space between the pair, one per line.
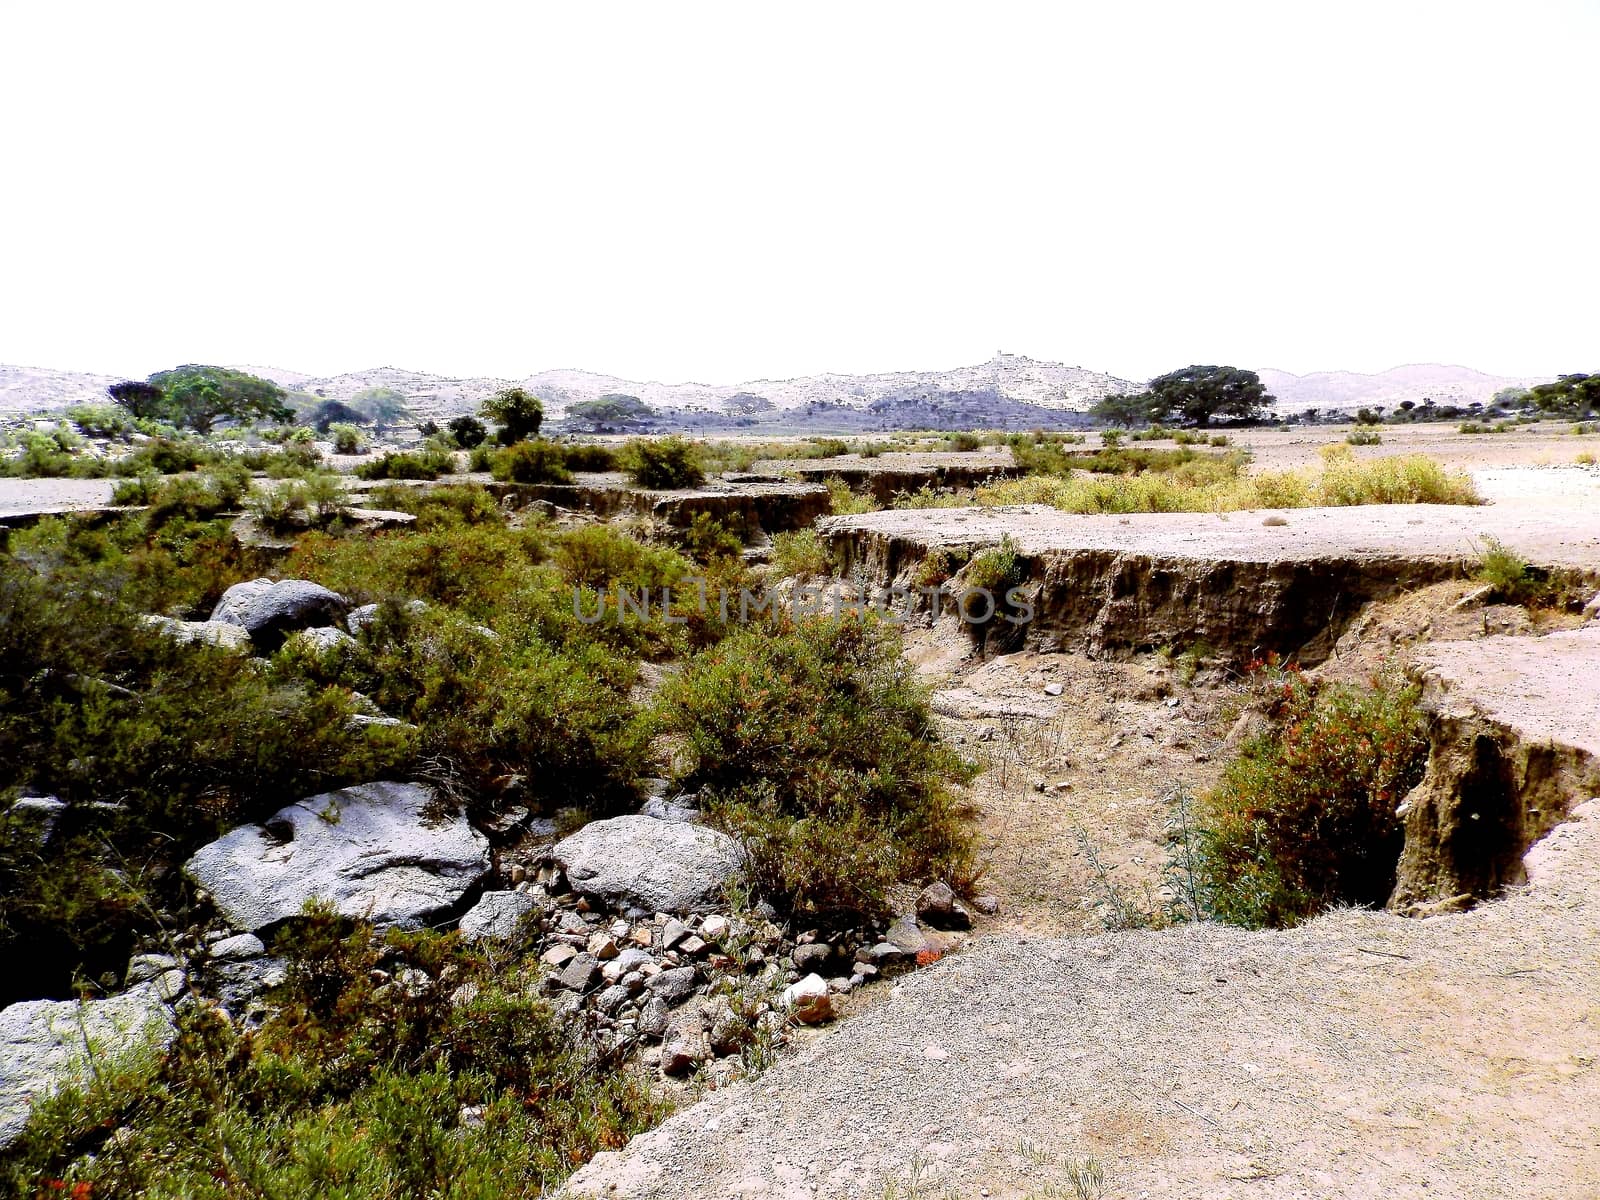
727,194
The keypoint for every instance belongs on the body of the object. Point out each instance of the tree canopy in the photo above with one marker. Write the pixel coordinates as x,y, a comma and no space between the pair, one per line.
1194,394
197,397
1575,394
615,408
518,412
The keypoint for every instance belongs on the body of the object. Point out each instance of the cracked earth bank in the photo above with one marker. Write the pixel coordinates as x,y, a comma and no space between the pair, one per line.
1363,1054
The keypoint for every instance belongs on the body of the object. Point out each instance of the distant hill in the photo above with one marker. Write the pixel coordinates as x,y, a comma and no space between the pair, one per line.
1014,377
1012,385
1417,382
35,389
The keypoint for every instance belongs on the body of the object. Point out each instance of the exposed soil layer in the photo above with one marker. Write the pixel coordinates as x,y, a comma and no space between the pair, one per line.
1120,584
1515,742
901,471
751,506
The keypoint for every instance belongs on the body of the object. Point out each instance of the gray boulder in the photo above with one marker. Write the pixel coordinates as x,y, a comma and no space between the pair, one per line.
640,862
42,1045
371,851
33,819
496,915
271,610
224,634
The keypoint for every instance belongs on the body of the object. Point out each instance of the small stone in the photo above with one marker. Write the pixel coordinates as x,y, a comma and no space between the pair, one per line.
684,1046
642,936
144,967
809,1000
603,946
674,985
988,904
714,928
673,932
1053,689
412,982
693,946
559,955
579,975
938,906
237,948
810,957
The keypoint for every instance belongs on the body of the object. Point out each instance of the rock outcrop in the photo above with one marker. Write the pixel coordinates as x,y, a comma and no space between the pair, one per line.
45,1044
269,610
643,863
1515,745
376,850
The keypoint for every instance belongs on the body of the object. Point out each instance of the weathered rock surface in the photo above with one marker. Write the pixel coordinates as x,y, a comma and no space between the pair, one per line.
373,851
269,610
1515,744
638,861
42,1044
223,634
496,915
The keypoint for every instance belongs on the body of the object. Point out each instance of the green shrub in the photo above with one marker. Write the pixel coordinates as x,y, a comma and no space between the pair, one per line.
182,740
101,420
963,441
313,502
347,439
706,539
824,447
842,501
1364,437
427,464
662,463
349,1088
441,507
801,554
1513,580
536,461
1304,818
467,432
586,456
599,556
813,743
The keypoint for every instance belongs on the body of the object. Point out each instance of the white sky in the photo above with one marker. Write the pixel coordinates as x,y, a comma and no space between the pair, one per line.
722,192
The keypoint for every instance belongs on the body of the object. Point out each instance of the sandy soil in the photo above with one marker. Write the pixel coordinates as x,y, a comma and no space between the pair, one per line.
1566,536
19,496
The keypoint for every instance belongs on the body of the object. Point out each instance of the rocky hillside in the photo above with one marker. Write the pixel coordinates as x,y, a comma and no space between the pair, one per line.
35,389
1416,382
1012,380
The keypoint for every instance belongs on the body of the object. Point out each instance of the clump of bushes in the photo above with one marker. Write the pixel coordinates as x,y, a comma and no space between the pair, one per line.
180,740
406,464
347,438
1304,818
1513,580
1364,437
351,1087
536,461
813,743
801,554
662,463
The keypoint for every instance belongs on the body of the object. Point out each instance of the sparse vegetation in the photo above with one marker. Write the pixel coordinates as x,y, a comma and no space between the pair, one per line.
801,554
662,463
1304,818
349,1087
812,742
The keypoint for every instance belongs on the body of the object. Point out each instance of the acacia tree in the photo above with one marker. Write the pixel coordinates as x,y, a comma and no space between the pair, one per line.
197,397
1197,394
519,414
143,401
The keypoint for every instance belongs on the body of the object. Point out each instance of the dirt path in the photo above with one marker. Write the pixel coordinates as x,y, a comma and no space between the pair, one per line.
1363,1055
